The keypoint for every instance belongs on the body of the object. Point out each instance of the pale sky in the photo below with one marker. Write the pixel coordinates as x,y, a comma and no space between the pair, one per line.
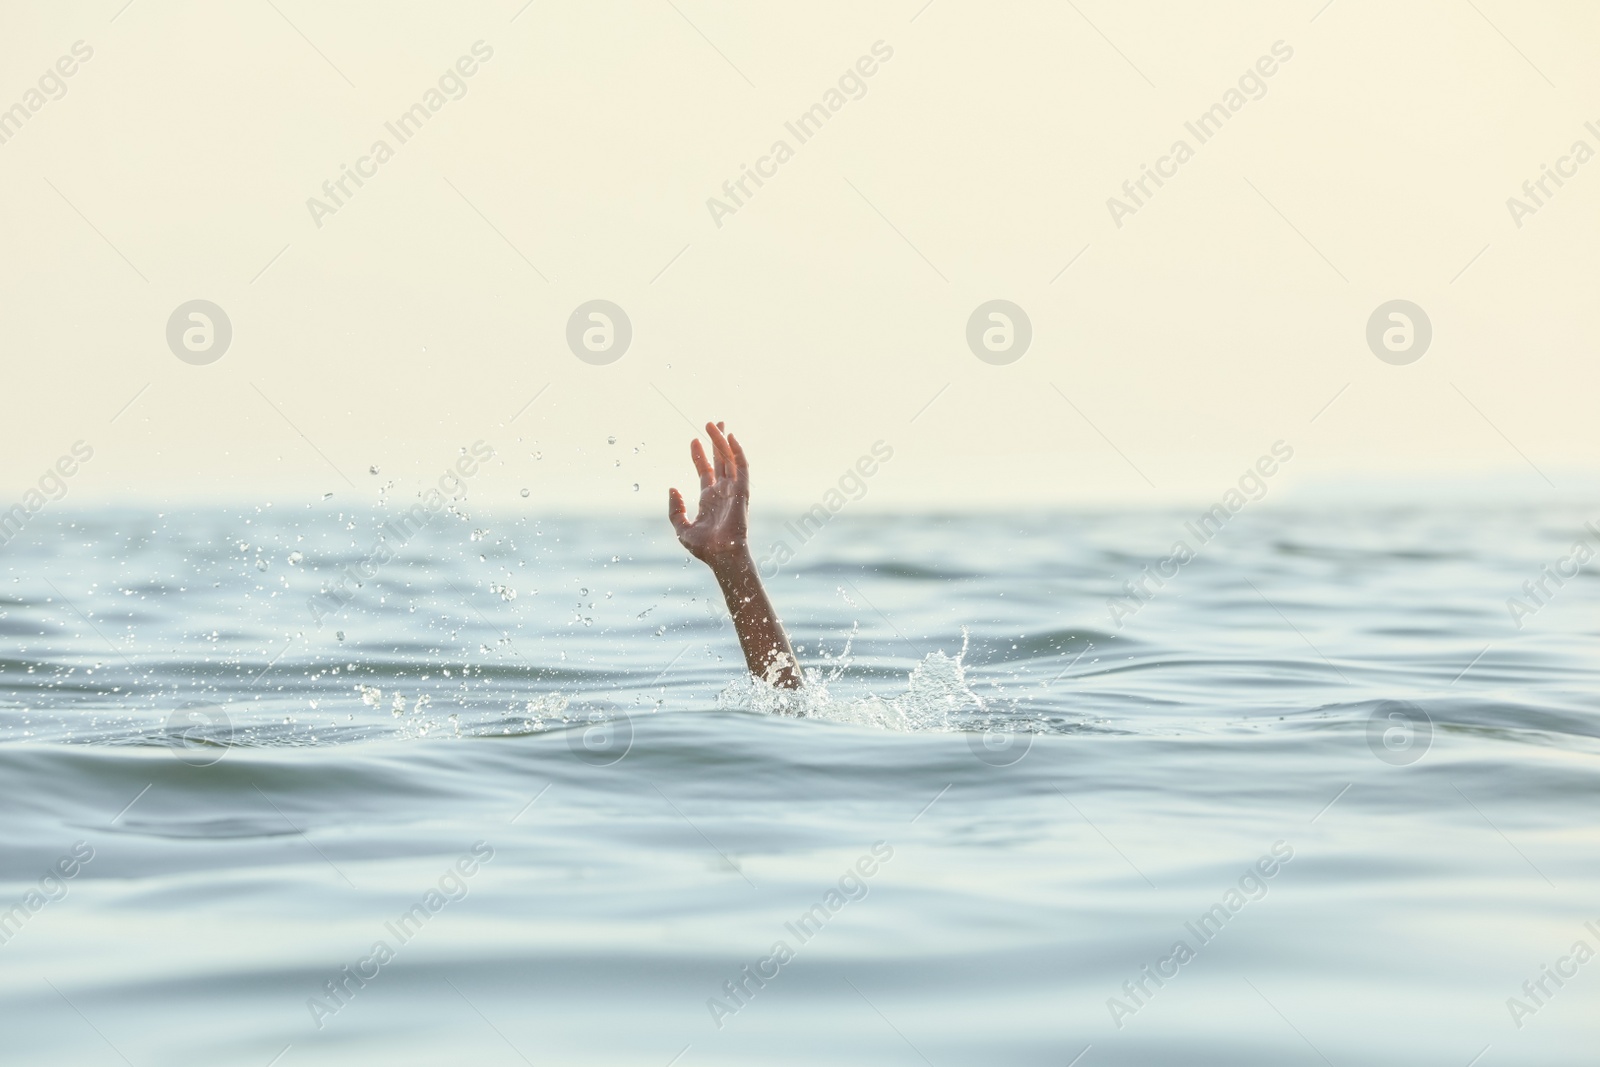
829,310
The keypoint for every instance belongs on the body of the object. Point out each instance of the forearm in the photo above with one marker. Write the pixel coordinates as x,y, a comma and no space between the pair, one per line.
766,647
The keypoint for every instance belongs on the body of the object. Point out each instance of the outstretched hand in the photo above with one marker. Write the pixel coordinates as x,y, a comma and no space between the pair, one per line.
719,537
718,532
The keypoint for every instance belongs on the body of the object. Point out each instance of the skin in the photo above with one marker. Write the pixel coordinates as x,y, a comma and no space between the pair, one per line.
719,538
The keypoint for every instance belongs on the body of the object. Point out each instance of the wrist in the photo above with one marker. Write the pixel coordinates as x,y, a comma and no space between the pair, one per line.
734,565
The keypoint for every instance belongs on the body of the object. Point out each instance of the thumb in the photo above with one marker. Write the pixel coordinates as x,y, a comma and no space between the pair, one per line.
676,512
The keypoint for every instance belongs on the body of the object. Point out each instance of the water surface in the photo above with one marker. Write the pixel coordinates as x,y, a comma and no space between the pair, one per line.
993,811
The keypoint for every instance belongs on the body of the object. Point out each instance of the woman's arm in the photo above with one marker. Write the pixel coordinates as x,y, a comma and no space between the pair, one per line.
718,538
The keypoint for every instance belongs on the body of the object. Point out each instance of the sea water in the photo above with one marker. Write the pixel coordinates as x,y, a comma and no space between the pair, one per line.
1322,794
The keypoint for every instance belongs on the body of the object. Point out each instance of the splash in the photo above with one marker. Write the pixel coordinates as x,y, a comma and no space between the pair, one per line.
937,695
416,724
547,706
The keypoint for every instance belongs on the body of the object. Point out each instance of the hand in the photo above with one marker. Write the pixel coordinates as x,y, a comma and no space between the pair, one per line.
718,533
718,536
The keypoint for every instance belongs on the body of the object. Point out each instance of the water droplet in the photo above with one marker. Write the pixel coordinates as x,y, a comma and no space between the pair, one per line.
327,496
611,440
261,564
583,592
635,487
372,469
524,492
339,634
295,557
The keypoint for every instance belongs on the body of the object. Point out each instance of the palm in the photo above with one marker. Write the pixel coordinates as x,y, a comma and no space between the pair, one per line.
718,528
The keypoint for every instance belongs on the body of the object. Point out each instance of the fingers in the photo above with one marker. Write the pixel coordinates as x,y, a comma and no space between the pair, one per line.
724,454
676,512
698,454
741,466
